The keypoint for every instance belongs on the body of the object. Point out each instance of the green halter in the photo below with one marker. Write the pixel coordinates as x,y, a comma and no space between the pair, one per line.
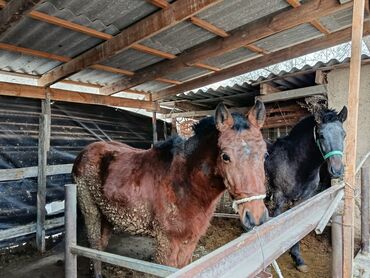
329,154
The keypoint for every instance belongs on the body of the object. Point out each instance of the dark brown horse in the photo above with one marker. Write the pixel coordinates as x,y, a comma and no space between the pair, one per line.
170,191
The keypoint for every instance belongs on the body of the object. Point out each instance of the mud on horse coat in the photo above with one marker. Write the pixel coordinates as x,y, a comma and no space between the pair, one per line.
170,191
294,161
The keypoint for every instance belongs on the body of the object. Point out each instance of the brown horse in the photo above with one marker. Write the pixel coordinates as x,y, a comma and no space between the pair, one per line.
170,191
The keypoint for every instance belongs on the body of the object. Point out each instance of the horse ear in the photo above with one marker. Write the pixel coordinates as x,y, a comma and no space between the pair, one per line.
317,115
343,114
257,114
223,117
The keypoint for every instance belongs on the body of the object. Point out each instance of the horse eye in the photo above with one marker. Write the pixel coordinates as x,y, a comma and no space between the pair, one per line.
225,157
321,137
266,155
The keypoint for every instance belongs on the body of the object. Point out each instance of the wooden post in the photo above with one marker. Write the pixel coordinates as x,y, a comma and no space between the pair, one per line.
154,123
43,147
351,141
70,259
365,199
336,243
173,127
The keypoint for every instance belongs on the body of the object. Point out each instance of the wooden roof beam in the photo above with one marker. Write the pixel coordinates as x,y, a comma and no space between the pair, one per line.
14,11
330,40
208,26
27,91
315,23
237,38
94,33
64,59
178,11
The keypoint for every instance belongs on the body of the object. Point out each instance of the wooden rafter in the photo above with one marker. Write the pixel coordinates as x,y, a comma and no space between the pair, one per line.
242,36
27,91
46,55
315,23
169,81
14,11
205,66
178,11
263,61
208,26
163,4
94,33
256,49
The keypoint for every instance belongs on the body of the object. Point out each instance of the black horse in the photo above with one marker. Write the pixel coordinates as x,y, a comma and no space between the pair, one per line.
294,162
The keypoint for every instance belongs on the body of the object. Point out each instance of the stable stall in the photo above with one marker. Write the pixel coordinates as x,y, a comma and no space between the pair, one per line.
147,55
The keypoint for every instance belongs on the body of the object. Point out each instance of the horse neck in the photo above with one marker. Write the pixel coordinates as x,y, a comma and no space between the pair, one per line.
306,150
200,169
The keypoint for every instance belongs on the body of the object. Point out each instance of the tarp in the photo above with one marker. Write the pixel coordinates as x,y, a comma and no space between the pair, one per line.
73,126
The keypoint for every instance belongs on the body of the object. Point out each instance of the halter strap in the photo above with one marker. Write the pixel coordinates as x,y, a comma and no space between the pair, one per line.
329,154
236,203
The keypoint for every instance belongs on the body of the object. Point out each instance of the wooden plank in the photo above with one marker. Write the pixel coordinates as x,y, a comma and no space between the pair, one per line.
94,33
178,11
239,37
112,69
31,52
14,11
159,3
266,88
250,253
263,61
134,264
154,126
69,25
169,81
30,229
205,66
28,91
351,140
31,172
317,24
294,94
256,49
153,51
208,26
43,148
320,77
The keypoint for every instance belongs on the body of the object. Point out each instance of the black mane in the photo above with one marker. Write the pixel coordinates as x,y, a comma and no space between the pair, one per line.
205,128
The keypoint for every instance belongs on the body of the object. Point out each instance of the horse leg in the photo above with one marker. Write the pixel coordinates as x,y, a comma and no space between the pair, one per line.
295,253
93,218
167,250
185,254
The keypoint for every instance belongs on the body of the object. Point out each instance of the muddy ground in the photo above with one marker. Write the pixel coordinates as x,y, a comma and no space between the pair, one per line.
26,262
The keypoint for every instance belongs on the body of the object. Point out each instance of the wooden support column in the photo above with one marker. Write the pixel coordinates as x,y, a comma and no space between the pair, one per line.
351,141
43,148
154,123
173,127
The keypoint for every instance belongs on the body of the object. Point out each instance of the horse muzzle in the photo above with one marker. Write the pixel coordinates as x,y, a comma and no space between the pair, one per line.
335,166
253,214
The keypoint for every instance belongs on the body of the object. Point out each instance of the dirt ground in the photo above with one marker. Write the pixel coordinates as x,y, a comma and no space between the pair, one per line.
26,262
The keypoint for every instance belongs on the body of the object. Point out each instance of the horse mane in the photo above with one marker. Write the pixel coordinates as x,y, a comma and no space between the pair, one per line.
203,129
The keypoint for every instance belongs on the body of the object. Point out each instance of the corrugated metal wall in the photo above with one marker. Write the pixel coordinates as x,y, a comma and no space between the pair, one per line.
73,126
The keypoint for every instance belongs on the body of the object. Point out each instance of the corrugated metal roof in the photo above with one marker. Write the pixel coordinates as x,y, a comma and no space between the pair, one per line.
113,16
152,86
243,94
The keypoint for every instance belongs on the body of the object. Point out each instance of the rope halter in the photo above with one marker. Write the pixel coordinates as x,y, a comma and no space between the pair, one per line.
236,203
329,154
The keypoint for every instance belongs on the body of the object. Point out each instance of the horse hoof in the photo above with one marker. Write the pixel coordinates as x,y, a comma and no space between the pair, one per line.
303,268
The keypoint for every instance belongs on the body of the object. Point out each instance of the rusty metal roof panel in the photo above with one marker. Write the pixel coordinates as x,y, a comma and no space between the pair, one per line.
289,37
229,15
230,58
188,73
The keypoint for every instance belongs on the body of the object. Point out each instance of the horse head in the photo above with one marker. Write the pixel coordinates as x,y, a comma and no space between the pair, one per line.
329,135
241,161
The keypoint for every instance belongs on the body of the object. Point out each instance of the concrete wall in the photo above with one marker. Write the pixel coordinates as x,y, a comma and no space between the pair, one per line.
337,97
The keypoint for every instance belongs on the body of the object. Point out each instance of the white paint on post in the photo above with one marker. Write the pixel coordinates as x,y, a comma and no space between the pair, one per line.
71,230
